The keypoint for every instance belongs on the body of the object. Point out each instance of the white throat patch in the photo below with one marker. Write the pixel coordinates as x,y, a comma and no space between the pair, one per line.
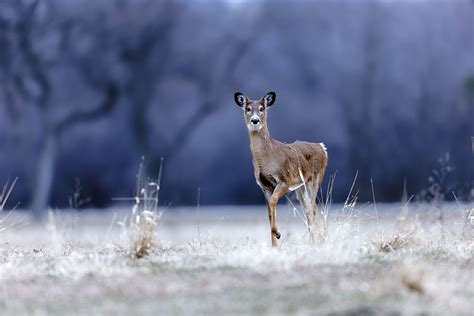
254,128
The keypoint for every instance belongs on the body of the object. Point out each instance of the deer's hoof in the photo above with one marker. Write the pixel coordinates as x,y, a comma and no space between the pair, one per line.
276,234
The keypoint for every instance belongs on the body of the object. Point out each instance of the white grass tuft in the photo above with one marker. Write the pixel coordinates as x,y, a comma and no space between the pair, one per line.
140,229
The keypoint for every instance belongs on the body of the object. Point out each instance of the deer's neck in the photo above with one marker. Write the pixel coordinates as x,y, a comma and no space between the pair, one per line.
260,141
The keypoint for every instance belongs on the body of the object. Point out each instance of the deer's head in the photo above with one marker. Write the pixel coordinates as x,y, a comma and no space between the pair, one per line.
255,112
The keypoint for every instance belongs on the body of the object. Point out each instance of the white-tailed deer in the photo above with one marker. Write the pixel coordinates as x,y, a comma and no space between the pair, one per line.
280,167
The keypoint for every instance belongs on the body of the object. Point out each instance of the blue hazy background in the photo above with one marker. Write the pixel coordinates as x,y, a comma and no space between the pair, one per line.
88,88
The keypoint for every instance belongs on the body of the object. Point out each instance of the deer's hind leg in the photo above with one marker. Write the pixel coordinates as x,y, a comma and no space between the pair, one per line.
314,184
307,196
303,194
301,197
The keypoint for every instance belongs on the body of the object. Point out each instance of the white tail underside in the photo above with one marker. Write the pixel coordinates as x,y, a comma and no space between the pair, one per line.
324,148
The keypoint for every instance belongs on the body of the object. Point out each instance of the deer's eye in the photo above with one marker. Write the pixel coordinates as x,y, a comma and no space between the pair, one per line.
261,109
248,109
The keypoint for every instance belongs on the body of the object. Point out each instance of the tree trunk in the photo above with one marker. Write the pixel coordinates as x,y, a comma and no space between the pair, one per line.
44,175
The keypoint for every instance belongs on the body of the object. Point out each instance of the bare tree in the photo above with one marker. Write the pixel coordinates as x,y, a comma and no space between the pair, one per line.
30,80
359,104
151,59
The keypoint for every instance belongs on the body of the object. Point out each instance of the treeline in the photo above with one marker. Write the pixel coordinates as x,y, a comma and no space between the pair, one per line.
88,89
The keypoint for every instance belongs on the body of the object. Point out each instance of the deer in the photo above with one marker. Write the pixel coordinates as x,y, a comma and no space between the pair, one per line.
280,167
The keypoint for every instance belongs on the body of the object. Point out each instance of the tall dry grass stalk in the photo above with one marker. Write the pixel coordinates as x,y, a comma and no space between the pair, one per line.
469,224
5,220
140,229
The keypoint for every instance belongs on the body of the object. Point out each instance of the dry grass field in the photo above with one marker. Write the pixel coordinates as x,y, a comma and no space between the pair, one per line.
219,261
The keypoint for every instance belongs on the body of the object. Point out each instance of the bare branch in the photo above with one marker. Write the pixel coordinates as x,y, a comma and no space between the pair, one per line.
107,105
33,61
237,53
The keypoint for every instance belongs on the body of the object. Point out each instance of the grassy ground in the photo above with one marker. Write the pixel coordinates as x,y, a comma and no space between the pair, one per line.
218,261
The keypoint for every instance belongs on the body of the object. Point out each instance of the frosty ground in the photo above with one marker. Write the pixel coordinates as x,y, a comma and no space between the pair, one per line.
219,261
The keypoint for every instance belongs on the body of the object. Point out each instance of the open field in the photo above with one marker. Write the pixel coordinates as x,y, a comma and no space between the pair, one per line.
218,261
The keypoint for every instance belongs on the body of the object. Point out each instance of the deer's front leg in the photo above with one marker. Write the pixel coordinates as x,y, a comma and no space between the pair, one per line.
280,190
268,195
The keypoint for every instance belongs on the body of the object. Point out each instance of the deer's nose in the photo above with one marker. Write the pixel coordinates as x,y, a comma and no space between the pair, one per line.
255,120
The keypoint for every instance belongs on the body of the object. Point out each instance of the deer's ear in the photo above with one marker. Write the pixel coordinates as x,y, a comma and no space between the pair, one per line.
269,99
240,99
